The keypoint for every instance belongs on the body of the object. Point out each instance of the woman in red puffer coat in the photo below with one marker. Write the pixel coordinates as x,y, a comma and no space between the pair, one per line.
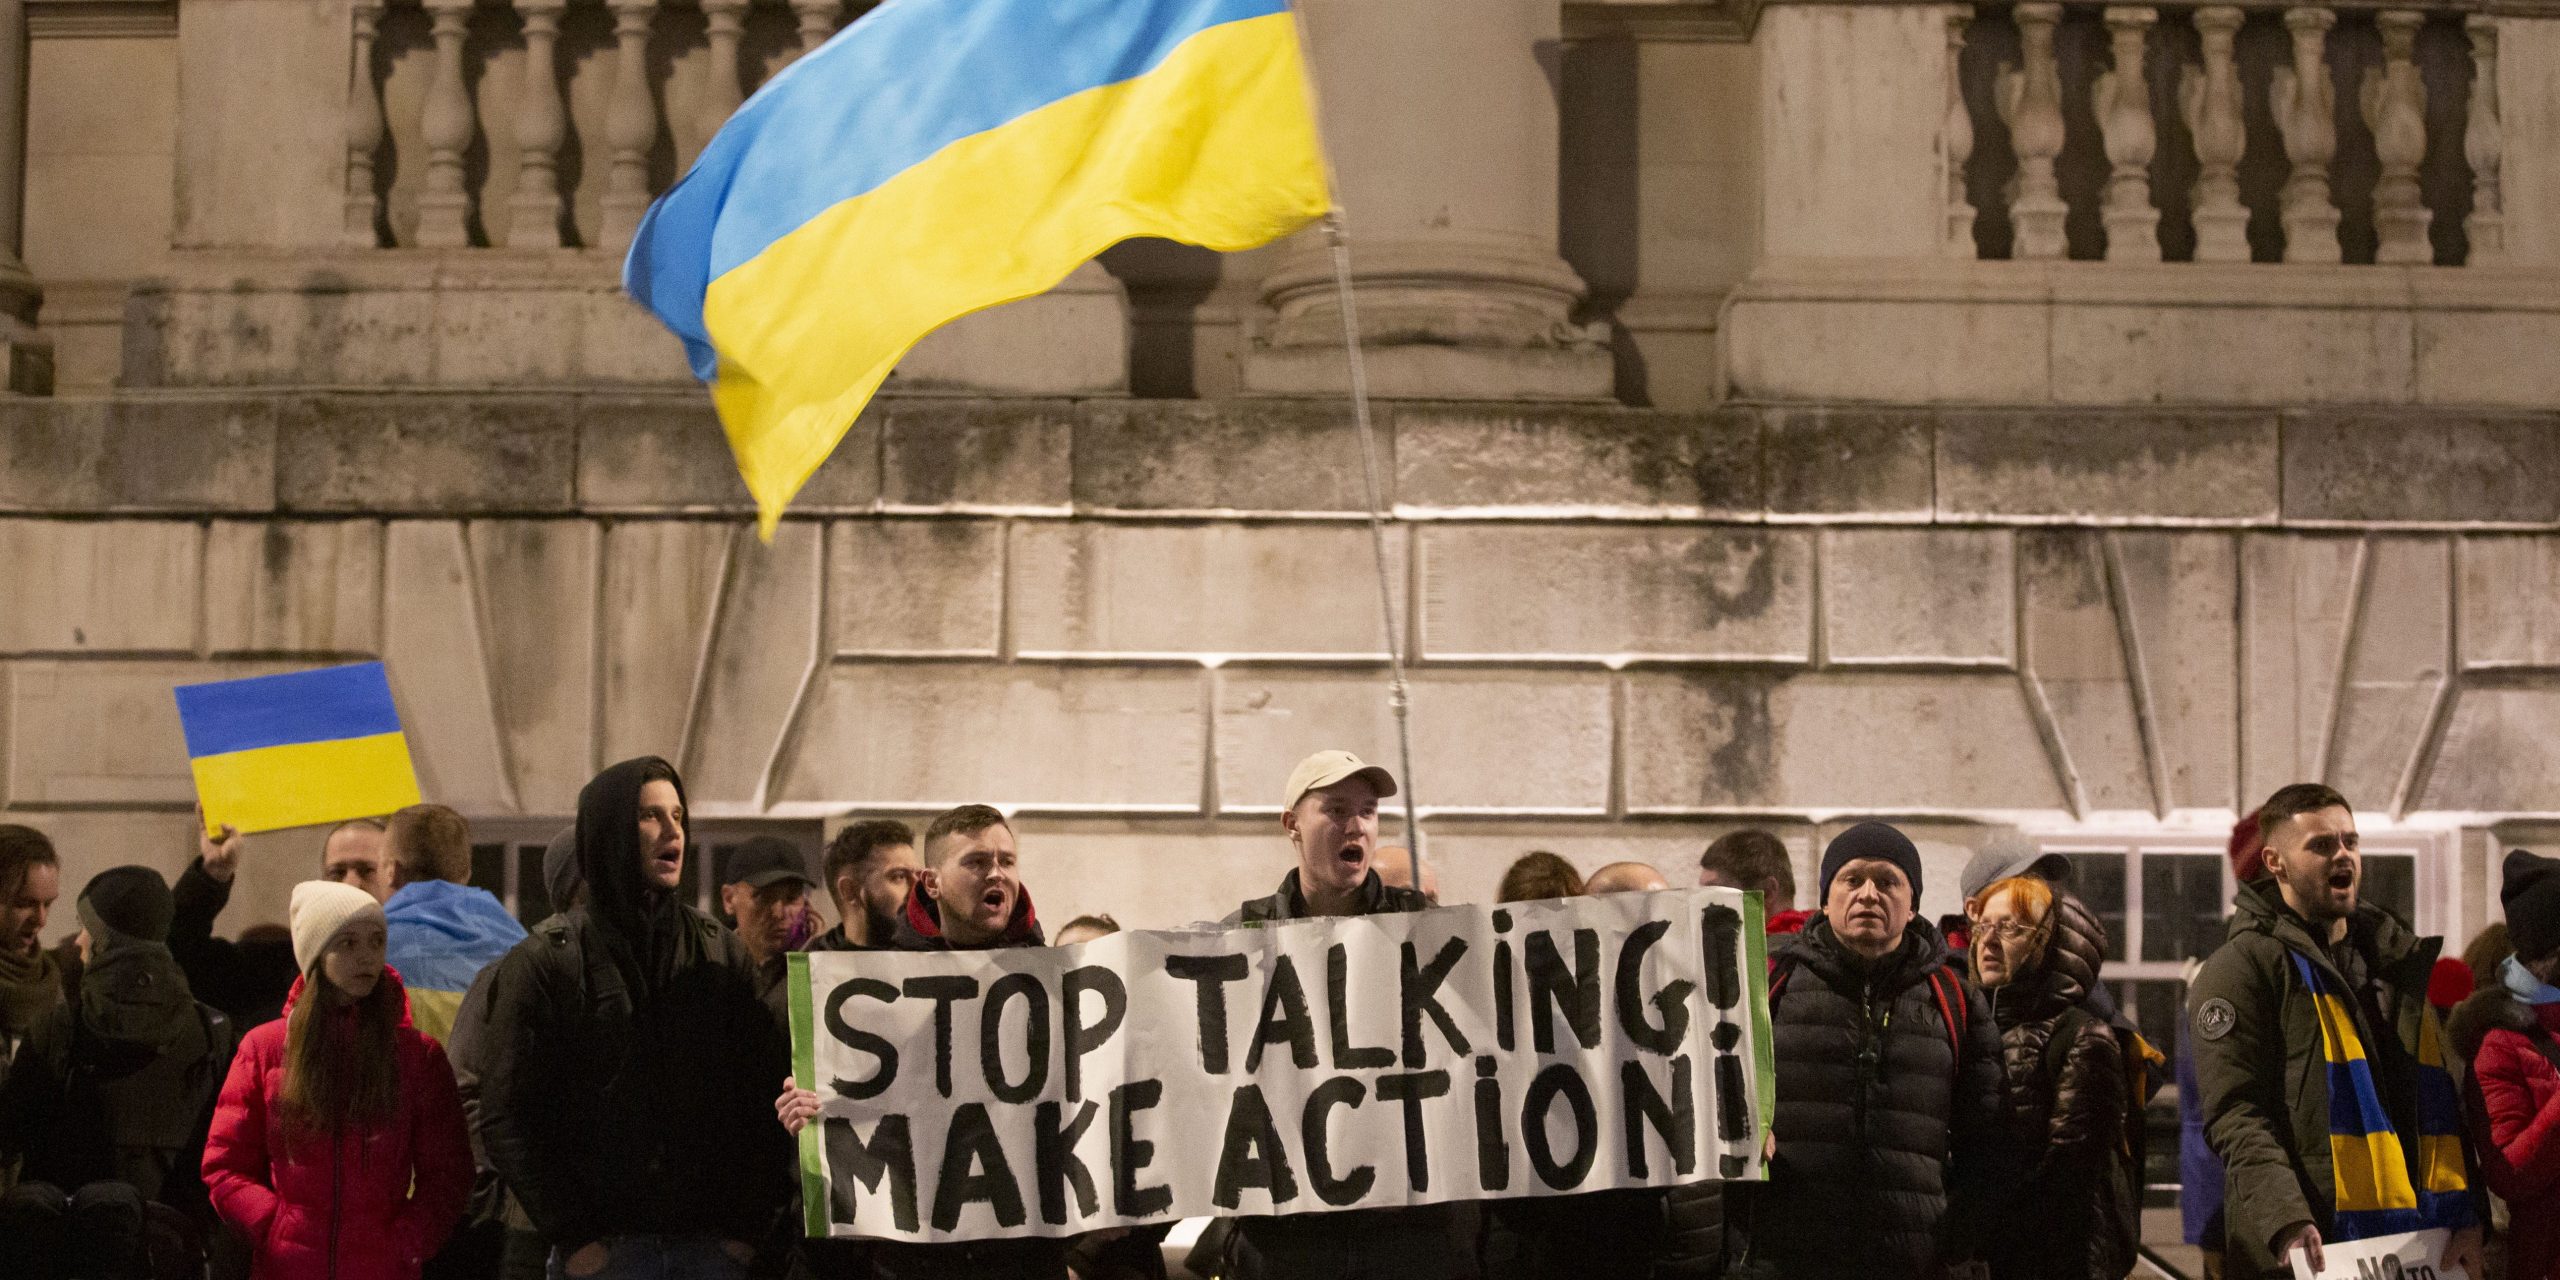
2511,1032
337,1148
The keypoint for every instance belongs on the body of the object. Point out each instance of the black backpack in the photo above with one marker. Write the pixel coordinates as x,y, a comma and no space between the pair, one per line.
2120,1205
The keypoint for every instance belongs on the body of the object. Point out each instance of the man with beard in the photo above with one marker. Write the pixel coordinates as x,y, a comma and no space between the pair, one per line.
970,897
870,868
1329,811
30,977
628,1063
2321,1061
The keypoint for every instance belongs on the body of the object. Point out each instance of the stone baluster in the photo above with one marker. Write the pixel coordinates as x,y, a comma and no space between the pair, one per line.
721,91
2305,108
2121,99
2210,103
817,21
2394,101
365,127
1959,131
2031,102
26,355
446,125
630,124
542,128
2483,145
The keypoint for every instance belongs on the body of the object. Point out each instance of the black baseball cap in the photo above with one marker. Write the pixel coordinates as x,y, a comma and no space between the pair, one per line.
766,860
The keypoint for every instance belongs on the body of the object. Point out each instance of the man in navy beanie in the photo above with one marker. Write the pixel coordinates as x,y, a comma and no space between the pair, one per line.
1888,1085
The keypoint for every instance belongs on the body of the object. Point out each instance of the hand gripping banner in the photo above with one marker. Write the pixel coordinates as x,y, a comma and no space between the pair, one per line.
1537,1048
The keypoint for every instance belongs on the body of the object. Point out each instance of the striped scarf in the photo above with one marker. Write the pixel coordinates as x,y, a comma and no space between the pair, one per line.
2380,1189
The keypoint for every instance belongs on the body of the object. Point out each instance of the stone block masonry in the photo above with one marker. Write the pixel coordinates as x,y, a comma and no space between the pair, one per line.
1628,630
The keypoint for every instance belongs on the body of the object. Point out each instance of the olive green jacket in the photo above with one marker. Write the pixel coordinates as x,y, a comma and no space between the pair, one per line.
2260,1065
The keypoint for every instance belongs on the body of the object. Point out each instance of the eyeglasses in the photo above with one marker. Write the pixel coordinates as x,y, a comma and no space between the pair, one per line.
2011,932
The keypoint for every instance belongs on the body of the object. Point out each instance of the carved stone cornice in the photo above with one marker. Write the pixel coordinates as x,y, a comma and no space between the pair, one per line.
102,19
1687,21
1661,21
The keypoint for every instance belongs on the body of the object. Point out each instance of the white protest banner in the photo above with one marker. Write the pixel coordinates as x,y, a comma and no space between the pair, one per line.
2415,1255
1537,1048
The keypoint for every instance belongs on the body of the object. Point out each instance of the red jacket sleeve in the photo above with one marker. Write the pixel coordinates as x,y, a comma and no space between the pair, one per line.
236,1171
440,1148
2522,1154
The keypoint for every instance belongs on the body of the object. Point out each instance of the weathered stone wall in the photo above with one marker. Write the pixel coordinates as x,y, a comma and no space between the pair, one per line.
1630,630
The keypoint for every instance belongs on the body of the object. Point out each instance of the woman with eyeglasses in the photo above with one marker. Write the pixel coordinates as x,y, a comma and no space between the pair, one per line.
2067,1089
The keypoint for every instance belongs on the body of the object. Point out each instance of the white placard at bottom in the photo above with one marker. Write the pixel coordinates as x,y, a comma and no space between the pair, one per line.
2417,1255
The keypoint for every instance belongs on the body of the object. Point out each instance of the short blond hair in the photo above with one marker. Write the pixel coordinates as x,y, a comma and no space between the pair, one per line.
430,842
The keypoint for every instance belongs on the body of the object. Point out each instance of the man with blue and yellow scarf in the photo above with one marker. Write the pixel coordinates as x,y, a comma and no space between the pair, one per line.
2322,1065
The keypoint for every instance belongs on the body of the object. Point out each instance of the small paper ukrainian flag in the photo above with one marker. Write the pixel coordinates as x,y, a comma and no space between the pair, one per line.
294,750
941,156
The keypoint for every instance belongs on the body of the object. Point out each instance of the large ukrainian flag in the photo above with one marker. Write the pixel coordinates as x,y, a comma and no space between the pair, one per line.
942,156
297,749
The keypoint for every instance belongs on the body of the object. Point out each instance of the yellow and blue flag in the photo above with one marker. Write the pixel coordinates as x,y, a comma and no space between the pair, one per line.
293,750
938,157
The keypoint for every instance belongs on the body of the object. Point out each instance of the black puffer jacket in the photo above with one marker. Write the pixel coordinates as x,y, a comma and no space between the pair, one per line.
1888,1125
1692,1233
629,1070
2067,1110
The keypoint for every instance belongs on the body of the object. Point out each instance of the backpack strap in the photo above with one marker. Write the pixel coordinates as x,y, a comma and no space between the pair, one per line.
1955,1015
2057,1047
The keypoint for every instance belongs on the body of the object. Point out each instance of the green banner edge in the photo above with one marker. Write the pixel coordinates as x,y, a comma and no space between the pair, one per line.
1763,1041
804,1073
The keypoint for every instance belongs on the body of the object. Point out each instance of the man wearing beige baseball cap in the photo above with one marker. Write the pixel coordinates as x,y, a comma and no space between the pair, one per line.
1330,813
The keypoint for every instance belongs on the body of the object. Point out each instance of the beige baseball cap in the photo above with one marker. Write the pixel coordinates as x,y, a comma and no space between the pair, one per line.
1325,768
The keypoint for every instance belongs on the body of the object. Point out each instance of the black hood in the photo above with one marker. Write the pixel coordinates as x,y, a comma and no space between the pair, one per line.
642,922
136,996
2388,944
2067,971
920,926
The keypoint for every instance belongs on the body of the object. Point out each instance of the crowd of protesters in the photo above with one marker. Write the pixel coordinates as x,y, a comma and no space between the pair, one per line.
405,1082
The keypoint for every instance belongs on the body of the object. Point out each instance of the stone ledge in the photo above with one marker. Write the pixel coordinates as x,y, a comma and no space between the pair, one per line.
1958,331
632,453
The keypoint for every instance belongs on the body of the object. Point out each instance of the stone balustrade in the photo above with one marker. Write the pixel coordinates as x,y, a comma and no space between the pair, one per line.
2218,133
546,124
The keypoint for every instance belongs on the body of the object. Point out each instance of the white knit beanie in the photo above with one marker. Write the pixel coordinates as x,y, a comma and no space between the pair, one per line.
320,909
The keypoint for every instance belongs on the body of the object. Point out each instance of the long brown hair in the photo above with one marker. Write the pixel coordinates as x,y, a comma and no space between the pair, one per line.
341,1073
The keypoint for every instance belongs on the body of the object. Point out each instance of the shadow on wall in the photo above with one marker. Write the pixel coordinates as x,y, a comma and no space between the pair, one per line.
1596,195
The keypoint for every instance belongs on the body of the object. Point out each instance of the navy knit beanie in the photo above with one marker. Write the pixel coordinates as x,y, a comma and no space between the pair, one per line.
1872,840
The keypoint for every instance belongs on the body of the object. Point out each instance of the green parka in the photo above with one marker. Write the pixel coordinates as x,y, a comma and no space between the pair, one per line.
2260,1065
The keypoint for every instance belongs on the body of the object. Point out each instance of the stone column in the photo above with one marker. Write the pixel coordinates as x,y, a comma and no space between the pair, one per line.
26,356
1443,138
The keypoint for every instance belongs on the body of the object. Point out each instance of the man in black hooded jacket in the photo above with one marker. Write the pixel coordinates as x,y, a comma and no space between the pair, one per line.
625,1092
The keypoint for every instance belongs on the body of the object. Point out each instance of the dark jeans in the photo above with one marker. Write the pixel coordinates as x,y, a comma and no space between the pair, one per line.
658,1258
470,1253
526,1256
94,1233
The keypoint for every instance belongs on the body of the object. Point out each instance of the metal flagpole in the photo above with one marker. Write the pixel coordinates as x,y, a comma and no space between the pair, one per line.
1399,699
1398,696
